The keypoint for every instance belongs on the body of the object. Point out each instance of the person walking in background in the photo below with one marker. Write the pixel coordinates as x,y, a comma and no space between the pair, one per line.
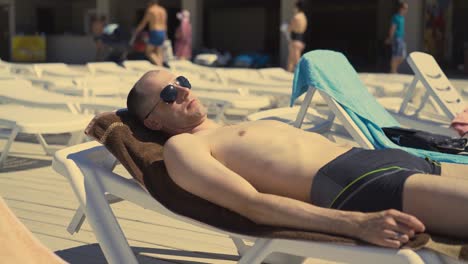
297,27
183,36
97,29
156,18
396,36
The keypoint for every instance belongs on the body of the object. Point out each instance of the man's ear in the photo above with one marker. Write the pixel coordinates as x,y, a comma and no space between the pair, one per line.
152,124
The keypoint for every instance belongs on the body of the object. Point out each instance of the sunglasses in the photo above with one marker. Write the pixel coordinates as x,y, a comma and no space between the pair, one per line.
169,93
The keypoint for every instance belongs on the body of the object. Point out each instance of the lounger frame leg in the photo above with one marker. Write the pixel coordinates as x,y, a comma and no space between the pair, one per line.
423,103
49,150
6,148
351,127
74,108
76,138
220,115
102,220
257,253
240,245
409,93
77,221
78,218
305,105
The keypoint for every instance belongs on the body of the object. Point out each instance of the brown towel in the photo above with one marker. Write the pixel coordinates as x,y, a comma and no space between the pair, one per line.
140,152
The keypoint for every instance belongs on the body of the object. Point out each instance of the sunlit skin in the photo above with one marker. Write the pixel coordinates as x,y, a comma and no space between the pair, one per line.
17,243
264,171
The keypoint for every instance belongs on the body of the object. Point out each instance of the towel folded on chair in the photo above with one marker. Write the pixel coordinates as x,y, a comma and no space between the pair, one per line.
331,72
140,152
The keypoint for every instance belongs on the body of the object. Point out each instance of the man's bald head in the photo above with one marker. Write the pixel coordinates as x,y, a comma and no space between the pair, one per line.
143,95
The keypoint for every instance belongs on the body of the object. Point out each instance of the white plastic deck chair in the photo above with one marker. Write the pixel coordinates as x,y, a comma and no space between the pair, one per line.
58,70
89,169
141,65
109,68
338,111
5,73
447,100
38,121
21,92
276,73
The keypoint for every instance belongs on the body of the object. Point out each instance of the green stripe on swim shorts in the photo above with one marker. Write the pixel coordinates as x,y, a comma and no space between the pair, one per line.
435,162
361,177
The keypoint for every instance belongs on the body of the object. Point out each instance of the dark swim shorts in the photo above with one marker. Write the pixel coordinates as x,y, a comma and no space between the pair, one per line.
157,37
367,180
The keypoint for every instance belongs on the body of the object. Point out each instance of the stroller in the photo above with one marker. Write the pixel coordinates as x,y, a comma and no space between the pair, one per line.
116,39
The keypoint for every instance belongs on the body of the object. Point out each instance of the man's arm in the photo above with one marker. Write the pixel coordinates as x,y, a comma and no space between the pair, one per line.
18,244
391,32
191,166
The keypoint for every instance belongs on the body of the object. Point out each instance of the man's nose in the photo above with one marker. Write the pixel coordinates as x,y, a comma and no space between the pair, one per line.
182,94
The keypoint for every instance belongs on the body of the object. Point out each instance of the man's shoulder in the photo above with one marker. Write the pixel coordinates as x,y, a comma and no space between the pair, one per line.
185,144
185,140
160,9
180,138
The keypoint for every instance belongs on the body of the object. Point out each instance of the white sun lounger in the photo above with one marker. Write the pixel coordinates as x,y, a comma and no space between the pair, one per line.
249,77
448,101
110,68
38,121
277,74
88,167
22,92
58,70
141,66
250,102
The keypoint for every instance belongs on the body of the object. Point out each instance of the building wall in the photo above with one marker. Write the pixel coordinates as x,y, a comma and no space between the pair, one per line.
12,13
414,25
69,18
286,11
80,8
68,15
195,7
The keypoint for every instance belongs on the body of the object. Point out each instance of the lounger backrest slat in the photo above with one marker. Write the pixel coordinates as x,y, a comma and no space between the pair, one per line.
428,71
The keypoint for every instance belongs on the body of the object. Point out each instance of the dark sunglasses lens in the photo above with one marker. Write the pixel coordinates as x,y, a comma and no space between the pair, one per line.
183,82
169,94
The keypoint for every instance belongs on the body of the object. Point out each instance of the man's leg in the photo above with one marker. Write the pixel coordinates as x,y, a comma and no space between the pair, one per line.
454,170
395,62
295,51
298,48
429,197
17,244
290,65
158,51
150,54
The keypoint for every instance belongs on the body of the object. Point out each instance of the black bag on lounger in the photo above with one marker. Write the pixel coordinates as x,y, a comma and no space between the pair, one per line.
424,140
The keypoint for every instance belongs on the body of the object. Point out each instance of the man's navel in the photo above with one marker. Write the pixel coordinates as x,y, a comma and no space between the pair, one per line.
241,133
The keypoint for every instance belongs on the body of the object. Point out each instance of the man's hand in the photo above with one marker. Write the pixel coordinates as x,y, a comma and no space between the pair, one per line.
389,228
93,121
